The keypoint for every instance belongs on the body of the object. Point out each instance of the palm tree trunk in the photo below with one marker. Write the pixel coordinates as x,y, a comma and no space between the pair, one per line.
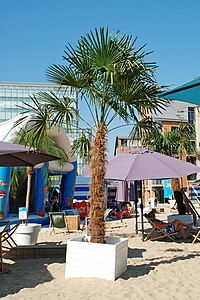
97,186
29,174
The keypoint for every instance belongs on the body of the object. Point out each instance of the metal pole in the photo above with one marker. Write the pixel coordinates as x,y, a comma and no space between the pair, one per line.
141,207
136,202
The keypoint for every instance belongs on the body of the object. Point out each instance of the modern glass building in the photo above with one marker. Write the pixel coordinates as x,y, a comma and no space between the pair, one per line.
13,95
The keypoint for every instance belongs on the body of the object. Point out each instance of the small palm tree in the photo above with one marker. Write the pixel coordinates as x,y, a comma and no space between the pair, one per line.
115,82
178,142
46,144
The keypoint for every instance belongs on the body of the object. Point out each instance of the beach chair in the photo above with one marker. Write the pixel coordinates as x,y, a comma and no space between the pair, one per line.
58,221
107,213
195,235
6,241
160,233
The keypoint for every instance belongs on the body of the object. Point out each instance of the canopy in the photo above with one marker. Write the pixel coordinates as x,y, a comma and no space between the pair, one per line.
21,156
140,164
188,92
122,192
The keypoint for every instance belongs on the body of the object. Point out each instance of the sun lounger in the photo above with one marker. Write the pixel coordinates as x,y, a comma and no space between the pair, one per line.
58,220
159,232
6,241
195,235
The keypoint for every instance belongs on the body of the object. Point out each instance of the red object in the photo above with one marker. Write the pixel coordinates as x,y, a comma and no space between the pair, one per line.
82,208
118,215
40,213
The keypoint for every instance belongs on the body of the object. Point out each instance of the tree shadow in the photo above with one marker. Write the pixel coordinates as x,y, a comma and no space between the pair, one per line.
144,269
27,273
135,252
173,250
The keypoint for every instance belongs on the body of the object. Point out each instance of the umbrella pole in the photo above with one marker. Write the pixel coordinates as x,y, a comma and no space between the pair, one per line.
136,202
141,207
29,174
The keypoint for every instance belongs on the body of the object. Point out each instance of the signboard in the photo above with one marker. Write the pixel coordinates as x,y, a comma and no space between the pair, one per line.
22,213
87,220
167,188
82,208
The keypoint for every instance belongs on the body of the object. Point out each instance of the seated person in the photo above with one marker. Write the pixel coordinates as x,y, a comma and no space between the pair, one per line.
118,214
112,205
56,206
128,210
170,227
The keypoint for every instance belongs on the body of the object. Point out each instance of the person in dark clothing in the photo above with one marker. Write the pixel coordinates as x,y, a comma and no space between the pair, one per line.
178,195
55,207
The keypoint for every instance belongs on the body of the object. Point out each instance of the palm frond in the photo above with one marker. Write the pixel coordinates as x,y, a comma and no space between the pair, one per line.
82,147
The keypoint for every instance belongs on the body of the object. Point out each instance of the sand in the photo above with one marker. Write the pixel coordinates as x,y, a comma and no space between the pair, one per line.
156,270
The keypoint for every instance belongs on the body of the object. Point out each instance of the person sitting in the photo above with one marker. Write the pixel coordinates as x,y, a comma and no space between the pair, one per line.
170,227
128,210
56,206
118,214
113,205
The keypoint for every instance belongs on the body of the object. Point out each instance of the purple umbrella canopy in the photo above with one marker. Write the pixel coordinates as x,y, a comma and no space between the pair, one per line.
141,164
21,156
122,191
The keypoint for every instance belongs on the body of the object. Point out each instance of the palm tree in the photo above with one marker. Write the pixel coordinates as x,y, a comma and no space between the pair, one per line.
115,82
177,142
25,137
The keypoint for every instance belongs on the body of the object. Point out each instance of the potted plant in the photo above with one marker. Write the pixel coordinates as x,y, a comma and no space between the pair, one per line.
115,83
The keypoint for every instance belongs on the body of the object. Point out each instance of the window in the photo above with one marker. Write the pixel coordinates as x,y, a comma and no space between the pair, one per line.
192,160
124,142
173,128
191,115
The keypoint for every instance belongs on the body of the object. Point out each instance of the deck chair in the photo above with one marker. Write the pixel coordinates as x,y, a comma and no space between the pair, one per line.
6,242
107,213
160,233
195,236
58,220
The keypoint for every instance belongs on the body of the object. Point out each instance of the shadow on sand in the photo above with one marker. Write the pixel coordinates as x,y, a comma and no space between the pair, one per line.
144,269
136,252
33,272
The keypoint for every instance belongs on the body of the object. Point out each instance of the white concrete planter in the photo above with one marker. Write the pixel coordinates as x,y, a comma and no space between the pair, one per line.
107,261
26,235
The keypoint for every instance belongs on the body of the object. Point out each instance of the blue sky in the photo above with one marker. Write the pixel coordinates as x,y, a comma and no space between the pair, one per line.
33,35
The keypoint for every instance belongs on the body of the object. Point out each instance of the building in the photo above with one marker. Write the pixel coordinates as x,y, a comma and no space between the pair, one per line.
123,144
13,95
178,112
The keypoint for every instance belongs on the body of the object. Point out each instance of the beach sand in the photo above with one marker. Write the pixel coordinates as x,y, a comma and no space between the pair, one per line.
156,270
